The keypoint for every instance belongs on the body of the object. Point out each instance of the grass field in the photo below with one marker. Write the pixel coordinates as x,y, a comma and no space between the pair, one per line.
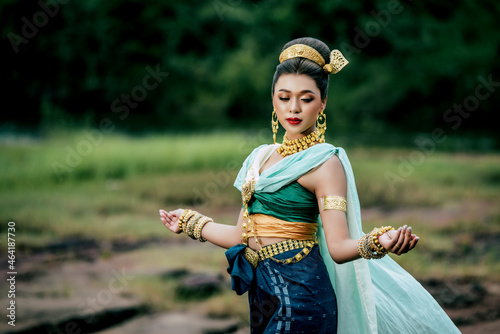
108,187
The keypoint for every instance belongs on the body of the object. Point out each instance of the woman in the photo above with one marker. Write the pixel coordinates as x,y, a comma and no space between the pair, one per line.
298,248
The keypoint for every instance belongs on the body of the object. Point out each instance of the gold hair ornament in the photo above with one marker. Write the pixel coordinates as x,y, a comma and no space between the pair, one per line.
337,60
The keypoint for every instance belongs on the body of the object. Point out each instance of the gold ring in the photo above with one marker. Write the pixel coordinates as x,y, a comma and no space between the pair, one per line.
397,246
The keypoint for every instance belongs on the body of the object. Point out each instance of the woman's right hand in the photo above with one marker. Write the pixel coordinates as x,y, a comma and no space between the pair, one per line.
171,219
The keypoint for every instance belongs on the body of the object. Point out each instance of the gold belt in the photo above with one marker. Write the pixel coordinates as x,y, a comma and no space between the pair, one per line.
269,251
269,226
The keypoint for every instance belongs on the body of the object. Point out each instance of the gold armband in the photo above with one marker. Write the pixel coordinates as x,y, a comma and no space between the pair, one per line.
334,203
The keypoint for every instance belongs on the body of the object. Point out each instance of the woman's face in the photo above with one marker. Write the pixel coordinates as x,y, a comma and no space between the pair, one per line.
297,101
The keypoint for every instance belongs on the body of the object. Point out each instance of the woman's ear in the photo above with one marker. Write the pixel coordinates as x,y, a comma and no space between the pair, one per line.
323,103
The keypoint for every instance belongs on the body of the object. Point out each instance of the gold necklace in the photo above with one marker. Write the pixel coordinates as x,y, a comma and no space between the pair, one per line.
293,146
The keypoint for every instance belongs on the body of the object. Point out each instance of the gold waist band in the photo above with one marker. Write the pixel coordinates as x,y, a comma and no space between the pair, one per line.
269,226
269,251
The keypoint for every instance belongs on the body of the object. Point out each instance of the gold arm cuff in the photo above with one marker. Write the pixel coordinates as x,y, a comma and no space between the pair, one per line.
335,203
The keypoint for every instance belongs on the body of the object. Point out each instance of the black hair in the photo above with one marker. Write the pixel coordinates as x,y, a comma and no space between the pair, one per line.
305,66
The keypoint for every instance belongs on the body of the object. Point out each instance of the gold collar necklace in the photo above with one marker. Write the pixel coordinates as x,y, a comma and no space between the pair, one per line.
293,146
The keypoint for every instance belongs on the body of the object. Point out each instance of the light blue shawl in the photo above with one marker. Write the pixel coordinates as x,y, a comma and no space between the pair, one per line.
373,296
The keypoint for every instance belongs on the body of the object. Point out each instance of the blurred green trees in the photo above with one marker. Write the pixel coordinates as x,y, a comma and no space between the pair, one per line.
412,63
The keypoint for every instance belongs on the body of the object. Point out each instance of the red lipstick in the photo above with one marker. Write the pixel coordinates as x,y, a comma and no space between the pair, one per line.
294,120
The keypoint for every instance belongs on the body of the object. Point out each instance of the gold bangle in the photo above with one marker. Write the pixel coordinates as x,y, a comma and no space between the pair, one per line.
362,249
182,219
191,224
199,227
368,245
375,234
374,243
185,218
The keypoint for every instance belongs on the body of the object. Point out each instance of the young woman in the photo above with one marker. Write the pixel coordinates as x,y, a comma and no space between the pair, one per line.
298,248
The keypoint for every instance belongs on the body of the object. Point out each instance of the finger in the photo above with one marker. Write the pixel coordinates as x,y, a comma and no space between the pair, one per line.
407,241
164,218
399,244
414,242
168,216
167,222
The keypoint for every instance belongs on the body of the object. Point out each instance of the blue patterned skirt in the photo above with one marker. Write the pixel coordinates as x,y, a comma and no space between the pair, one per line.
289,298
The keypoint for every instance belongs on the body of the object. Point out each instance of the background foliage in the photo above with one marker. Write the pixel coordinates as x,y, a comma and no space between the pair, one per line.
410,62
84,163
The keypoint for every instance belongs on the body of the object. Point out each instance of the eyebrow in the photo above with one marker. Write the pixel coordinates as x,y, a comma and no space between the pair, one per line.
302,92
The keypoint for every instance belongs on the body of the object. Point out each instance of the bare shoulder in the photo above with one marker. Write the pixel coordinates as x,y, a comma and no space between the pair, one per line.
326,179
331,168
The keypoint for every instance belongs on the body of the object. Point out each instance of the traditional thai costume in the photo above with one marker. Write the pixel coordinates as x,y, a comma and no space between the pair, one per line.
295,286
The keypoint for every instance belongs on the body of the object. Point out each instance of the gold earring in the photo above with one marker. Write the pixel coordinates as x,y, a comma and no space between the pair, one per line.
275,124
321,125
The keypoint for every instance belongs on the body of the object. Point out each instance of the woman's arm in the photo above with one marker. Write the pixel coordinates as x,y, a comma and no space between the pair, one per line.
221,235
329,180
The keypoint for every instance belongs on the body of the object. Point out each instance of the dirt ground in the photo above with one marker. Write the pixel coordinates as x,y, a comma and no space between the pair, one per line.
70,287
58,292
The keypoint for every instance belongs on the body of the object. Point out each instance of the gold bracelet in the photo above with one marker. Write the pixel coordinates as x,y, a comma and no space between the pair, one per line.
368,245
374,243
363,248
184,218
199,227
191,224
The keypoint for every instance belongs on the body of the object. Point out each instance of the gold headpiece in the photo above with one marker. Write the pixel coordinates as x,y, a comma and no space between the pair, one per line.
337,60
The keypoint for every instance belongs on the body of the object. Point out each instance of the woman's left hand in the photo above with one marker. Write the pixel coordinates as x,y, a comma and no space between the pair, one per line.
399,241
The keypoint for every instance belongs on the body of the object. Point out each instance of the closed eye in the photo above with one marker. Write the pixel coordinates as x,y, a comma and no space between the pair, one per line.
307,100
284,98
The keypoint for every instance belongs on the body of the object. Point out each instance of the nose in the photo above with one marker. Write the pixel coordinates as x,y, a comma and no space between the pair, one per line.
295,106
